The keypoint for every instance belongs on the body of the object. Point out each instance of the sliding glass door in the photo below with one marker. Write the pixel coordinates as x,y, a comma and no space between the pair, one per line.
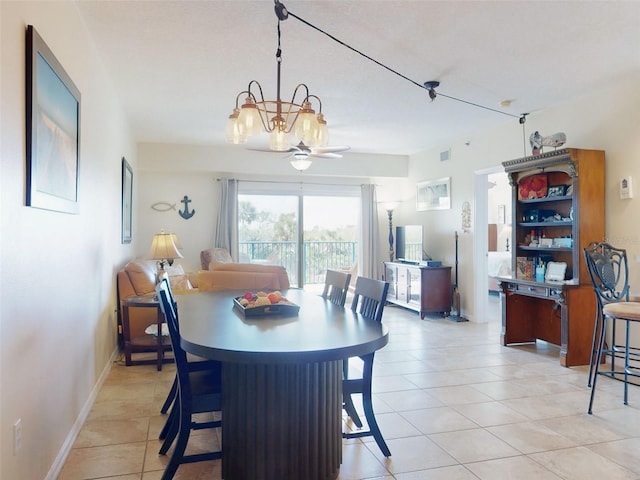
307,234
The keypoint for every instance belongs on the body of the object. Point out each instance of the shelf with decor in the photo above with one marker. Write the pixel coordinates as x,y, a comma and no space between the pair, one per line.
558,200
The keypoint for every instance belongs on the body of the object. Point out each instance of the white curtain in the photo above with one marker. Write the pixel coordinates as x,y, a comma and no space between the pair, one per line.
369,243
226,235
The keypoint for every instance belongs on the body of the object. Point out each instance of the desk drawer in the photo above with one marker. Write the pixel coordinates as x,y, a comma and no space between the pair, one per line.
540,291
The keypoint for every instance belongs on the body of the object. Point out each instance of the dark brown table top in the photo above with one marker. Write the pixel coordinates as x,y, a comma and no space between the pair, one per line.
211,327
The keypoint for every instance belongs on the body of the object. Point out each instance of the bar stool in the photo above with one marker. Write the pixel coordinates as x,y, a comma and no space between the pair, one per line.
609,272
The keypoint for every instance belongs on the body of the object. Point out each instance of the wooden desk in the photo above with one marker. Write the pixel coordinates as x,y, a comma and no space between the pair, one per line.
146,343
558,313
282,381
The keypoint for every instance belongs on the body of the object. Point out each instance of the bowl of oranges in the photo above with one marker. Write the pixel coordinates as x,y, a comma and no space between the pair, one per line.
262,303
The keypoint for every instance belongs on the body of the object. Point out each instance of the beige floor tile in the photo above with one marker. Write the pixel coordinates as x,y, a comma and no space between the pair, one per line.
409,400
125,392
489,413
103,461
456,472
359,462
458,395
623,452
452,378
411,454
581,463
473,445
520,468
530,437
123,409
393,425
108,432
502,390
437,420
584,429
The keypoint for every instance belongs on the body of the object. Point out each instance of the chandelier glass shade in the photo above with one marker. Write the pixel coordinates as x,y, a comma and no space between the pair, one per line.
287,122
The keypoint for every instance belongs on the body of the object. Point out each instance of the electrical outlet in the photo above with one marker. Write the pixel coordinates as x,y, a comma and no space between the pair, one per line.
17,436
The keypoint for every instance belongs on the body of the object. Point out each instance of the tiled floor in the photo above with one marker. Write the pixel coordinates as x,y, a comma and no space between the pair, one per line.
451,402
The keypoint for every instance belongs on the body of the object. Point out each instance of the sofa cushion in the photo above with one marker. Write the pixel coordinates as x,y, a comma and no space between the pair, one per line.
220,255
237,280
142,274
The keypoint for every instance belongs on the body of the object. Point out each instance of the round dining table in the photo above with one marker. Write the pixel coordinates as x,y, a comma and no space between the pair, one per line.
282,379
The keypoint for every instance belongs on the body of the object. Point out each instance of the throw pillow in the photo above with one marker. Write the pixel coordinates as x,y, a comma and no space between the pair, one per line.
180,282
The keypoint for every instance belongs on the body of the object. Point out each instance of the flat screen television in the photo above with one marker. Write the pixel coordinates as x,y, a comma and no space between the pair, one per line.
409,243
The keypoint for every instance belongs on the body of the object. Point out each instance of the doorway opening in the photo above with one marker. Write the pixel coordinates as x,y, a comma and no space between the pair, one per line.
492,249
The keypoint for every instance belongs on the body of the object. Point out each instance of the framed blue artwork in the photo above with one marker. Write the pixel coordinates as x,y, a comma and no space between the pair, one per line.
53,130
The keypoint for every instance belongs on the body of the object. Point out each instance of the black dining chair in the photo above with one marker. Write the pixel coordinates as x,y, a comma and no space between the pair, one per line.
336,285
195,363
199,391
369,300
609,271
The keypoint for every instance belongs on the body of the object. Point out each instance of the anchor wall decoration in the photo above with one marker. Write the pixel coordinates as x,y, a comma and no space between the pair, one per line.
186,214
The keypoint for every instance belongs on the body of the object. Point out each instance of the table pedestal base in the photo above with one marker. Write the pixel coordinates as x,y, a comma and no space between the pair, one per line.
286,419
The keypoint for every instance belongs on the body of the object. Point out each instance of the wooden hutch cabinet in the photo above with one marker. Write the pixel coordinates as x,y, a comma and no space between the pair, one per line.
420,288
558,209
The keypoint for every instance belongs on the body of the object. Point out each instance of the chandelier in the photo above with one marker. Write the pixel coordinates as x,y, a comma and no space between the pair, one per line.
281,119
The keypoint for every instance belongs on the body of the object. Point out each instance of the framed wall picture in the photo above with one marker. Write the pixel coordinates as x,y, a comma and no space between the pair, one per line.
434,194
127,201
53,130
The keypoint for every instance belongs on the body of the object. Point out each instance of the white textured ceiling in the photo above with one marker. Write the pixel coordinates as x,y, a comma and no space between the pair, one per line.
178,65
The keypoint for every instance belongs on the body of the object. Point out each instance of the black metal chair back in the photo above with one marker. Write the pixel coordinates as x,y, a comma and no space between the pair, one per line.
369,298
336,285
609,272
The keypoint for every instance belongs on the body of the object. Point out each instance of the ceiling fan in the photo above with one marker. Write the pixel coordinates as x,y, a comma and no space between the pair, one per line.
301,155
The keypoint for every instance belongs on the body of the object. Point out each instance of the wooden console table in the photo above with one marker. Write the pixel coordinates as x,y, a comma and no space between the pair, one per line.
420,288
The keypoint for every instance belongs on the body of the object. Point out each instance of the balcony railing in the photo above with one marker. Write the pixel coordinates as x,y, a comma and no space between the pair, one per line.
318,257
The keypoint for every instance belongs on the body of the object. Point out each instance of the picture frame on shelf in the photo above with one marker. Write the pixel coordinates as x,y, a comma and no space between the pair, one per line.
127,201
434,194
557,191
53,130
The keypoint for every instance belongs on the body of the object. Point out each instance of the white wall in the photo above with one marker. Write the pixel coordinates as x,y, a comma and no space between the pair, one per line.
57,278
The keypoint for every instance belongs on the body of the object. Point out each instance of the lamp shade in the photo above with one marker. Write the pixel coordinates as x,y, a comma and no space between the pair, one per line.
163,247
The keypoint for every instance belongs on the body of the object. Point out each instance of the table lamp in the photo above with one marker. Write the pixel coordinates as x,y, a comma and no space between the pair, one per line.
164,250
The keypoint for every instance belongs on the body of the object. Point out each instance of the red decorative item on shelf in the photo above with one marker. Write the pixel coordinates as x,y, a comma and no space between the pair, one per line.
533,186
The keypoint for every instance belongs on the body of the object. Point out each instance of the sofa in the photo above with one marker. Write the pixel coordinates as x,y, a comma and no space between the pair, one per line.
220,272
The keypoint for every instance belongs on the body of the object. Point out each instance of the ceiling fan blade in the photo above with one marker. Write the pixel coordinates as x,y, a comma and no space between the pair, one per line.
330,149
325,155
268,150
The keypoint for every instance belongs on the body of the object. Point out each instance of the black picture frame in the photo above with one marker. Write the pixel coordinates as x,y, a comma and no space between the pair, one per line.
557,191
52,130
127,201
